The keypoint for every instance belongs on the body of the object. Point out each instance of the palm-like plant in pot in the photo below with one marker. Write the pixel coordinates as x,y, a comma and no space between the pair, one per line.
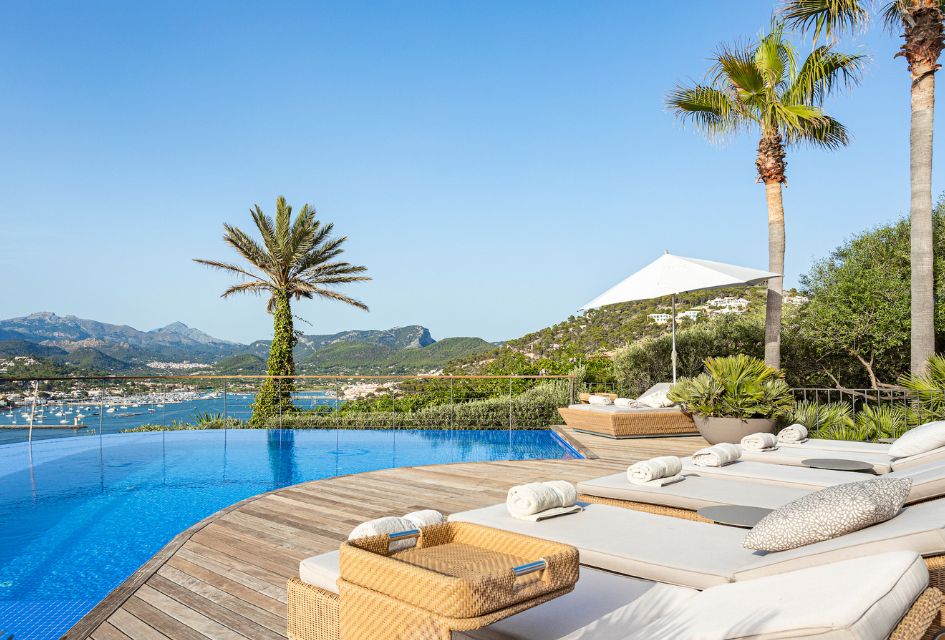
735,397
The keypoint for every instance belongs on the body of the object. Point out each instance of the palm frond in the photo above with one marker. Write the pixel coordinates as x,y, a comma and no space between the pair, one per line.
736,67
774,58
248,248
295,258
257,287
827,18
707,108
823,72
823,132
225,266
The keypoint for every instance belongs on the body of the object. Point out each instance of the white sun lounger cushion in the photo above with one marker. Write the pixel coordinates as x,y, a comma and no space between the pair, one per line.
321,571
603,606
861,599
851,446
798,477
795,455
634,543
695,492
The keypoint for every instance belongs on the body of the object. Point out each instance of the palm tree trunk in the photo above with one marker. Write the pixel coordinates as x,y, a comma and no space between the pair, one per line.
275,396
771,167
920,139
773,301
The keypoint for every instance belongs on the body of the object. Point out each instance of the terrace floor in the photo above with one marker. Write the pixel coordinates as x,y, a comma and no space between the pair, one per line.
225,577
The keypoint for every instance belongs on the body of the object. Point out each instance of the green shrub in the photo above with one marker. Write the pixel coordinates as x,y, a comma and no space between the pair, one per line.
735,387
821,418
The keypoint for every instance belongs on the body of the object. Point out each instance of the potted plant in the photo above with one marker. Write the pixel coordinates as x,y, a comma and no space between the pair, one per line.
735,397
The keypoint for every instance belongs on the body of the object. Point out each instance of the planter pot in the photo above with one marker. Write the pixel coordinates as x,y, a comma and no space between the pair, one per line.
716,430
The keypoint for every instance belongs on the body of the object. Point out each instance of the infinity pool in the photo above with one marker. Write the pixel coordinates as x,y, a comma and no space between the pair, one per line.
79,515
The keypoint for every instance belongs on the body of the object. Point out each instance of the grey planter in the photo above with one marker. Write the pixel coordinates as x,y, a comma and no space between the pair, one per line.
716,430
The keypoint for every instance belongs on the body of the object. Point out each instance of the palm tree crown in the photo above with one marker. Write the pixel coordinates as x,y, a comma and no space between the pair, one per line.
761,85
296,259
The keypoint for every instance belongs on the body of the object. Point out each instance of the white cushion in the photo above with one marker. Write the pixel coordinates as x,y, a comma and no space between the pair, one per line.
695,492
321,571
656,396
852,446
634,543
862,598
602,606
774,473
829,513
930,435
794,455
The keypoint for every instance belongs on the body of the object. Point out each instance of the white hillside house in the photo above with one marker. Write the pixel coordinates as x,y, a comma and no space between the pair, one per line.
659,318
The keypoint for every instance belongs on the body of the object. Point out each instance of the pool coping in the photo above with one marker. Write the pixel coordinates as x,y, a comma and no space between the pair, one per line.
100,613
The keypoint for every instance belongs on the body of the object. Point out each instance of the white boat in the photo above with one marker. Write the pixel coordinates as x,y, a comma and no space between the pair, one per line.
110,410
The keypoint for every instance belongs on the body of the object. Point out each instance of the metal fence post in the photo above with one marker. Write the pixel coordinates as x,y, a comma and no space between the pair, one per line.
510,403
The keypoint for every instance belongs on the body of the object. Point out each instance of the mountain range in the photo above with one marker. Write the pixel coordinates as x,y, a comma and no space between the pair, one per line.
90,345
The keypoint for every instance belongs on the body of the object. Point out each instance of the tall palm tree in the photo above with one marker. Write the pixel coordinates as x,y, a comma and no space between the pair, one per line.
761,87
923,29
295,260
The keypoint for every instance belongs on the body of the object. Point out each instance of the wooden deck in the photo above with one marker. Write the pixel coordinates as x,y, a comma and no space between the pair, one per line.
225,577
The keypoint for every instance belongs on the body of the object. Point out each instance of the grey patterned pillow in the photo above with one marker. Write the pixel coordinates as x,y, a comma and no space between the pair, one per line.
829,513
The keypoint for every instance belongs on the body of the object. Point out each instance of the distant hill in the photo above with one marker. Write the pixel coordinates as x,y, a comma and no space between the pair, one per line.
88,346
174,342
11,348
362,357
94,360
243,364
409,337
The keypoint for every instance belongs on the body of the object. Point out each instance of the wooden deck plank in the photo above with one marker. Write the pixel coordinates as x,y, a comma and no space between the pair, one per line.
227,578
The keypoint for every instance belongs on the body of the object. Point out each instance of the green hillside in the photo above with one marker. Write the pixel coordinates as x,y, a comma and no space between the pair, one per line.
10,348
94,360
242,364
360,357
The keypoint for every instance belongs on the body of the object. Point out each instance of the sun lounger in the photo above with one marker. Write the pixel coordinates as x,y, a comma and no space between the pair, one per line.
700,555
743,483
881,462
883,596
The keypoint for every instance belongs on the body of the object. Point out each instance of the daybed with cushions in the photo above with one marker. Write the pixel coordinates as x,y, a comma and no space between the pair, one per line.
649,415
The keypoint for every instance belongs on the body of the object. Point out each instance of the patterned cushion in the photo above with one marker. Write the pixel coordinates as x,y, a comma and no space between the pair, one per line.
829,513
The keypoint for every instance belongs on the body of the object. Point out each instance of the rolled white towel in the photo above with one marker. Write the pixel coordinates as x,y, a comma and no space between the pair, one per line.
624,402
793,434
386,525
718,455
759,441
424,518
654,469
599,400
528,499
567,492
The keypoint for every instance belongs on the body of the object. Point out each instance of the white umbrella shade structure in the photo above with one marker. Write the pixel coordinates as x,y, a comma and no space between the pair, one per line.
670,275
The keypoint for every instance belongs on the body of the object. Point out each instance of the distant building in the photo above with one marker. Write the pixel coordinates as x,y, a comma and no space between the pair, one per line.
728,302
692,314
796,300
659,318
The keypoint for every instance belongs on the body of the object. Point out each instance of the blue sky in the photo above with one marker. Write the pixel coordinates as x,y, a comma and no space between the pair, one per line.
495,164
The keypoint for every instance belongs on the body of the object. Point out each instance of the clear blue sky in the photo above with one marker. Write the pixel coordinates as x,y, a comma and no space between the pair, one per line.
495,164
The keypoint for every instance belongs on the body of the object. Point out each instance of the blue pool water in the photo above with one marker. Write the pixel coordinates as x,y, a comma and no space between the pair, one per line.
79,515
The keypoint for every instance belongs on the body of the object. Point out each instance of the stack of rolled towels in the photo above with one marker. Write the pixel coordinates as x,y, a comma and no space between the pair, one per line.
656,472
601,400
794,434
626,403
540,500
760,442
718,455
393,524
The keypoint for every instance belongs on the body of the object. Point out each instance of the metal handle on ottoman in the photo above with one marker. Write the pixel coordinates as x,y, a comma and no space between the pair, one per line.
529,567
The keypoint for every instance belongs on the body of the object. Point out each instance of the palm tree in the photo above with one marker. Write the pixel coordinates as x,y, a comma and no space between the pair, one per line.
922,23
295,260
759,86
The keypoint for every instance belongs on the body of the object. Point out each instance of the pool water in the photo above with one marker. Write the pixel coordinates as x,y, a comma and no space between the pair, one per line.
79,515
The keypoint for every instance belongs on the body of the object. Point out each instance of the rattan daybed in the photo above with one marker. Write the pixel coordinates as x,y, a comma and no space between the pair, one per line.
623,422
